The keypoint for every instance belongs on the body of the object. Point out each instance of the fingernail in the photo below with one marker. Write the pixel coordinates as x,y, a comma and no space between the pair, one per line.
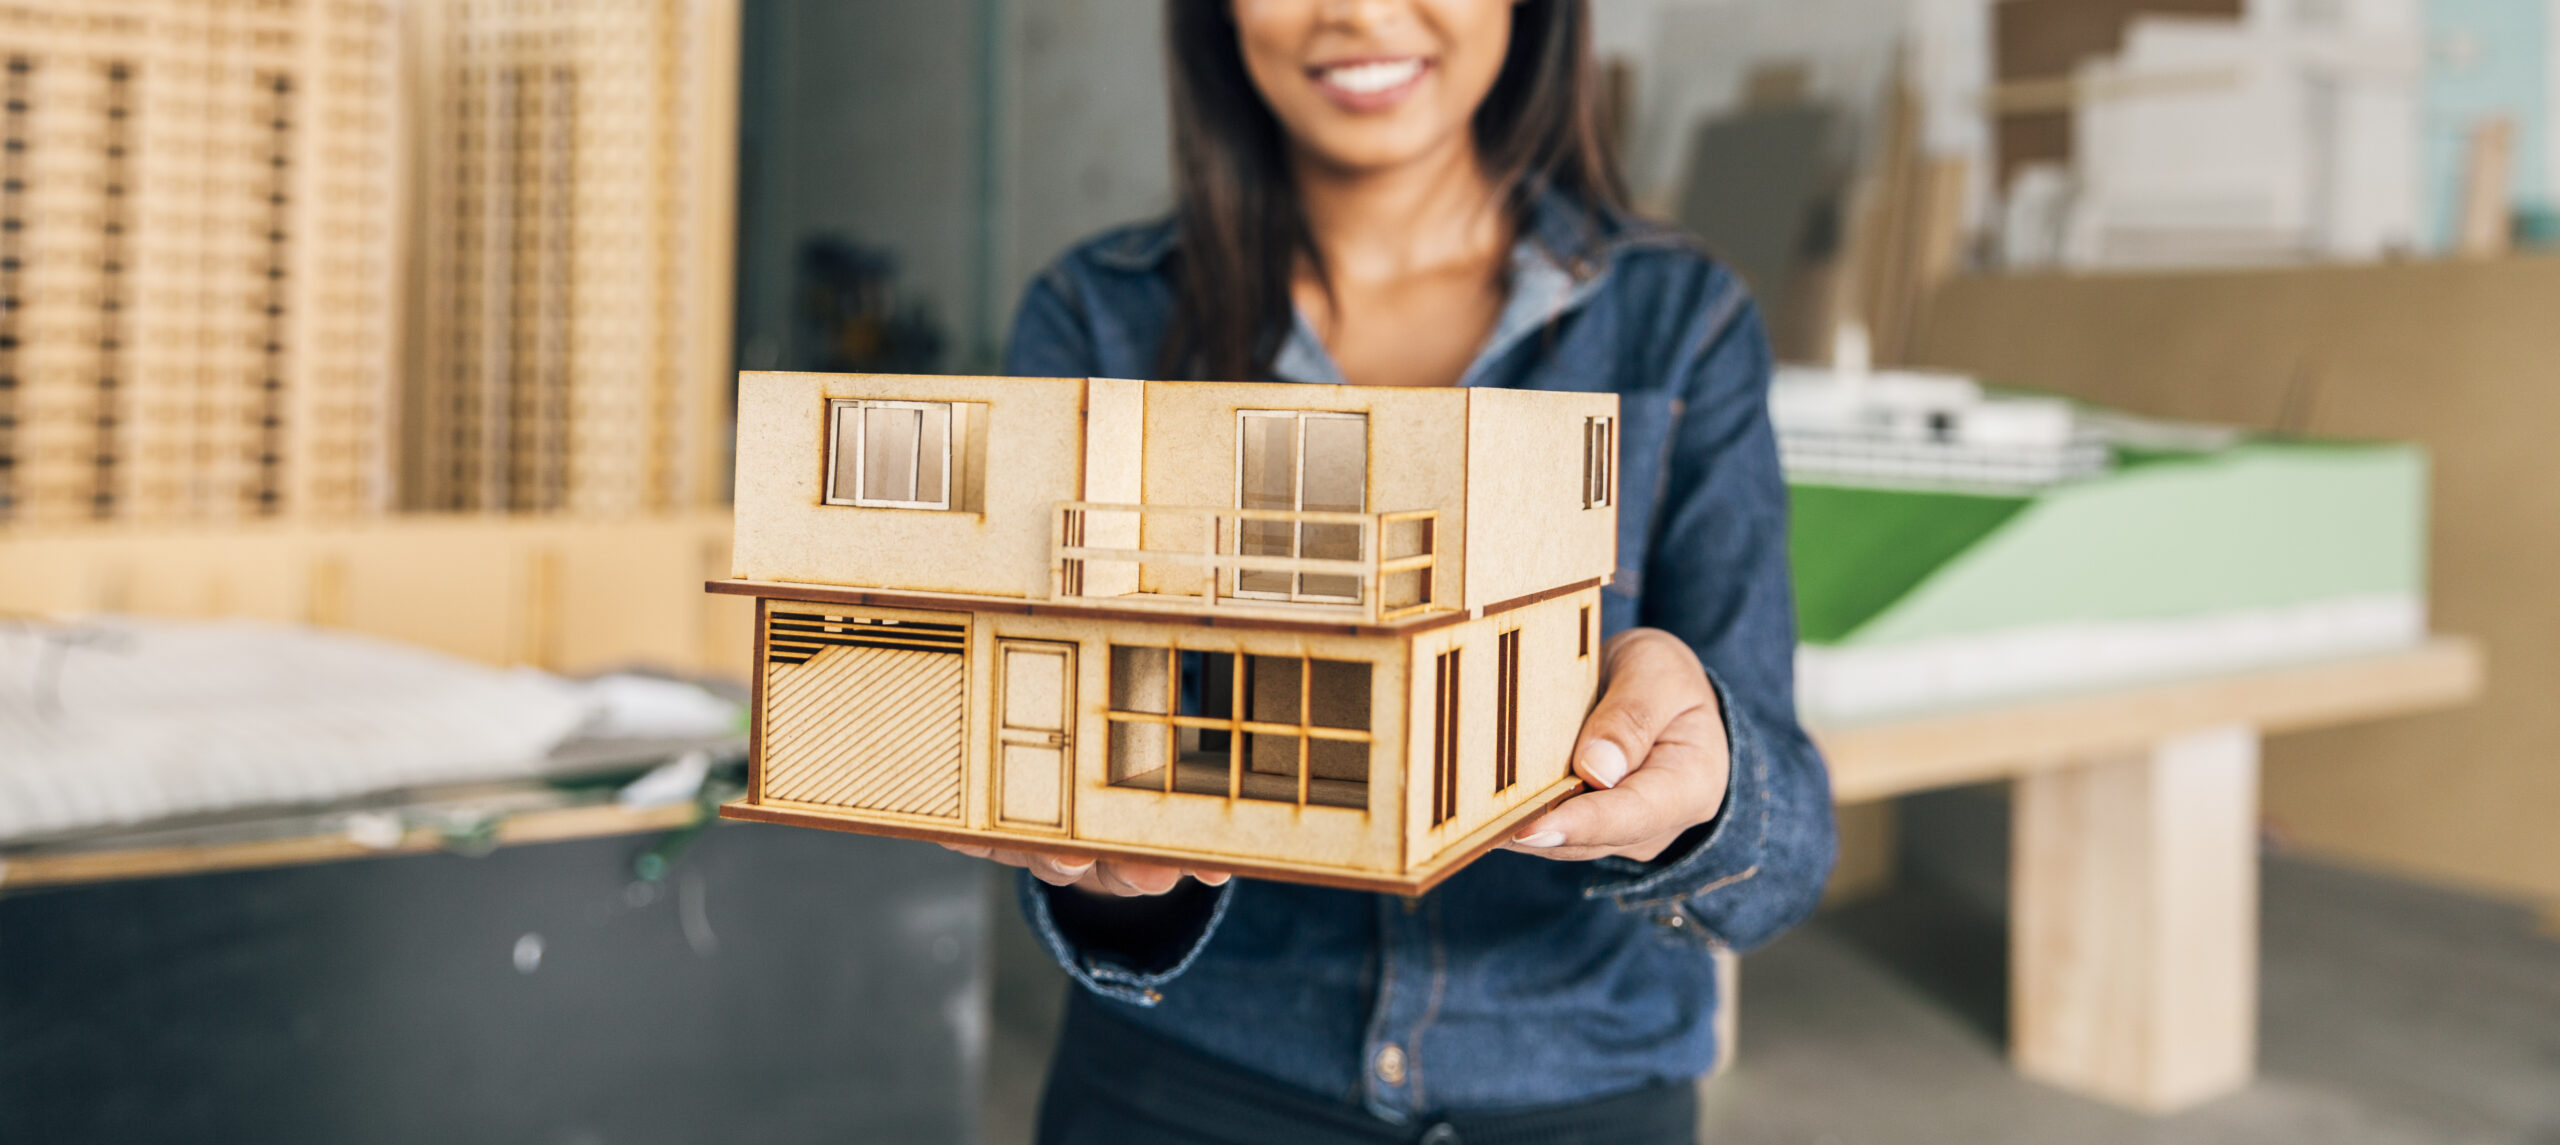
1541,840
1064,867
1604,763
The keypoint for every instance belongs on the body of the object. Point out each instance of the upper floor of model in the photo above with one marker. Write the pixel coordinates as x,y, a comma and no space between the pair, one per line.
1371,504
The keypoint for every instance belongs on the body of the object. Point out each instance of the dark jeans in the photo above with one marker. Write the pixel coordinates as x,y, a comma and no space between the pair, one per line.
1115,1084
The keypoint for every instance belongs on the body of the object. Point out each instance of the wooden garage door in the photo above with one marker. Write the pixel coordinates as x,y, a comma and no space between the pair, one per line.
865,709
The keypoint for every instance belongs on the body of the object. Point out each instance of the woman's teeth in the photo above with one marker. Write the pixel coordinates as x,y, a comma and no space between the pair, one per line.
1370,78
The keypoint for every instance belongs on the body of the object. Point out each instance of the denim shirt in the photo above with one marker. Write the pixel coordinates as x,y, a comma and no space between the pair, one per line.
1520,981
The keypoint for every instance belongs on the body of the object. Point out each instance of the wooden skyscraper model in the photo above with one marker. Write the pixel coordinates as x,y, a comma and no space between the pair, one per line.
198,231
576,169
1328,634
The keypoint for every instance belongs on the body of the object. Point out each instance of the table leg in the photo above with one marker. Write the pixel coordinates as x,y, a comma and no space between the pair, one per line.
1728,1019
2133,928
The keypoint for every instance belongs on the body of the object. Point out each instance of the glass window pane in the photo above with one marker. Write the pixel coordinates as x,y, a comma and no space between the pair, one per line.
1337,476
1270,460
933,455
889,438
842,482
1336,481
1268,481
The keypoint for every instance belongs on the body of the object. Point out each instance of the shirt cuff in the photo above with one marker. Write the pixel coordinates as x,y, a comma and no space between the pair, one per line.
1721,853
1111,973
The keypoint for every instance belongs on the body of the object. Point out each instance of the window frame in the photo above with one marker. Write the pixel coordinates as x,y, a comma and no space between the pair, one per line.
1506,710
1446,722
1297,593
1599,462
1306,731
952,426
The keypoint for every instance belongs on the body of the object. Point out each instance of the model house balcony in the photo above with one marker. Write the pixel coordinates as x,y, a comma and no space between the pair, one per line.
1370,567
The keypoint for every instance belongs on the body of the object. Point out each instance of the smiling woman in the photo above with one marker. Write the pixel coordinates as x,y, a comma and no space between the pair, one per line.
1419,193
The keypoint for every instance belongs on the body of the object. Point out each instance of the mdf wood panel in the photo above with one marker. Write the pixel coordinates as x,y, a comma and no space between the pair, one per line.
854,719
1035,712
2457,356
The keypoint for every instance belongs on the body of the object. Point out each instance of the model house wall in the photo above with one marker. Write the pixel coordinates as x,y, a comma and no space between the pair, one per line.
1026,444
996,545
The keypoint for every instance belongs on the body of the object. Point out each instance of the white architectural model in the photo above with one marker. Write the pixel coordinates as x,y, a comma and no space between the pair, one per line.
2289,134
1910,428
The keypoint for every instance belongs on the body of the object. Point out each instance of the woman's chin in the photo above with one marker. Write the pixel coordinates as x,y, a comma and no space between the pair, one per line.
1373,147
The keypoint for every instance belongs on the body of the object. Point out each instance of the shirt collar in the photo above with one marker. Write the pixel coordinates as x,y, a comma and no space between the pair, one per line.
1543,289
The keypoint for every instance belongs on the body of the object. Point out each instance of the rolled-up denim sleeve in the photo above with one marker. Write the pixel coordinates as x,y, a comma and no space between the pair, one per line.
1130,958
1716,575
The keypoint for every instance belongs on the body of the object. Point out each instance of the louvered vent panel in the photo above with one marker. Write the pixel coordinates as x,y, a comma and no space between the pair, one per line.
865,712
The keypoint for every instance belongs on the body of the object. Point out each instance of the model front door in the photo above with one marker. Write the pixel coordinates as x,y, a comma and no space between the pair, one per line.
1035,710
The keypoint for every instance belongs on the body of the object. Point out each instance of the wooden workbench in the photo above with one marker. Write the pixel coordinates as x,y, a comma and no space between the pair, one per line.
2133,948
578,800
2133,965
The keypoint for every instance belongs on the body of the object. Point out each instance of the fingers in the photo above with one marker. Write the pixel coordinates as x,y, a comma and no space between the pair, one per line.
1649,679
1680,783
1055,870
1123,877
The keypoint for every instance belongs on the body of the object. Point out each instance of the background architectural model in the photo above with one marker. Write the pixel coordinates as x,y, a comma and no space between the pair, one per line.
197,243
576,166
1323,633
205,211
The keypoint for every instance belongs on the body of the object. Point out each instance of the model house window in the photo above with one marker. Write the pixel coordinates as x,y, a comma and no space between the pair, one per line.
1585,635
1444,738
1506,712
1301,461
890,455
1282,729
1599,460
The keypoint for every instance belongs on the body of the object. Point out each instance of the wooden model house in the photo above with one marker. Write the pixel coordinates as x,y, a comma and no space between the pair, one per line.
1329,634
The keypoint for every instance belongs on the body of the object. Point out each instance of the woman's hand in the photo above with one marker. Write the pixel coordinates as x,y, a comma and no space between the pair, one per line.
1125,878
1653,751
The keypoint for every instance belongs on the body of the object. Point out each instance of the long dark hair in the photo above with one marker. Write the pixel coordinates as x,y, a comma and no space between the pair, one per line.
1241,226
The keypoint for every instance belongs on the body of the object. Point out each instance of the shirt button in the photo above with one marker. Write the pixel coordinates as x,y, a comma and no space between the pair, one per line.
1441,1134
1675,920
1390,1064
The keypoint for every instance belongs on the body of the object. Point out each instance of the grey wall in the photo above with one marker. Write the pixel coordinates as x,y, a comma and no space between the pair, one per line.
974,139
1091,146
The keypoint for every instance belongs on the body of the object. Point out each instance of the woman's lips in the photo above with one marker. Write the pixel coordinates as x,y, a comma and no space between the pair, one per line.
1370,84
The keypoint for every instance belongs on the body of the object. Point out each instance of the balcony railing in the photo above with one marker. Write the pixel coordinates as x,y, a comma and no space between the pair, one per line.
1380,565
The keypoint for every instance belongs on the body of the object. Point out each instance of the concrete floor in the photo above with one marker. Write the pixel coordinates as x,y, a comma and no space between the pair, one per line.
2392,1014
